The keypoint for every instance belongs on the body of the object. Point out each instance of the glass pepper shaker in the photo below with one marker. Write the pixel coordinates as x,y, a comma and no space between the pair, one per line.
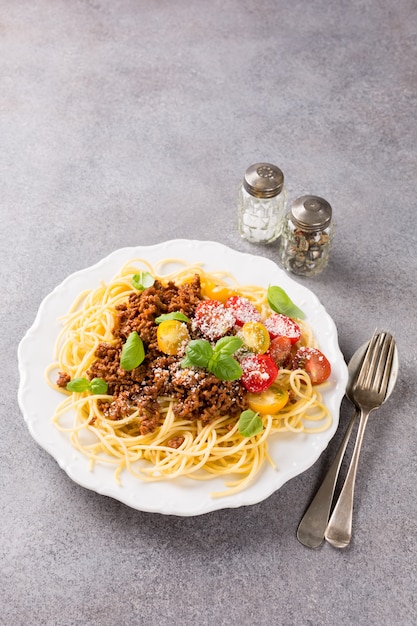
307,234
261,203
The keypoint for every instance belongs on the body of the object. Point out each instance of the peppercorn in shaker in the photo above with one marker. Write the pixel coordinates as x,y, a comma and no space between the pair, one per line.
261,203
307,234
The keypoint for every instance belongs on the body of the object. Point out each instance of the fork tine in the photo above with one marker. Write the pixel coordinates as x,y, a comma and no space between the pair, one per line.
378,358
367,360
378,366
373,361
377,361
386,363
379,350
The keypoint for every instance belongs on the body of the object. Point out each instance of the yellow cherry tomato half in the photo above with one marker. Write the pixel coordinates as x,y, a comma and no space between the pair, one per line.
268,402
215,291
171,335
256,337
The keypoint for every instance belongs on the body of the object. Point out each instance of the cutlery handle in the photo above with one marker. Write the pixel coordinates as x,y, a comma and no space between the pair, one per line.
313,525
339,529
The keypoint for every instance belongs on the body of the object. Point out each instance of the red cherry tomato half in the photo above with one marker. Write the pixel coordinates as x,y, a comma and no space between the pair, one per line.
280,350
259,372
243,310
314,363
213,319
279,325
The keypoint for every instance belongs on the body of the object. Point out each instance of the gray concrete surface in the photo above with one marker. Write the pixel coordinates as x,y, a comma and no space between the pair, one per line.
131,122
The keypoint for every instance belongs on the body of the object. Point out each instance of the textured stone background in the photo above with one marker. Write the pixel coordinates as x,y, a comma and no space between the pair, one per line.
132,122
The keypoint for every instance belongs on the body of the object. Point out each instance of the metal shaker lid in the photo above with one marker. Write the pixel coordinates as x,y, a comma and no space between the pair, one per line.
263,180
311,213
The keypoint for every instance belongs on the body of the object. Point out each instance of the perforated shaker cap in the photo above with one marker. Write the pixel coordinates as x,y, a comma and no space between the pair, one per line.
263,180
311,213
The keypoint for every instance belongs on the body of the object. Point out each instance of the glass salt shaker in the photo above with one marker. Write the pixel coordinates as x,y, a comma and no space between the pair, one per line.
261,203
307,234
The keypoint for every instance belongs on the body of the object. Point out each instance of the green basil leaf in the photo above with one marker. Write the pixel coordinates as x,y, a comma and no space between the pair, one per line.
198,353
79,385
224,367
142,280
280,302
98,386
133,352
186,362
250,423
228,345
175,315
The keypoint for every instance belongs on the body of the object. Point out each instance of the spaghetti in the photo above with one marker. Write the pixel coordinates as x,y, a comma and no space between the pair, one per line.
198,449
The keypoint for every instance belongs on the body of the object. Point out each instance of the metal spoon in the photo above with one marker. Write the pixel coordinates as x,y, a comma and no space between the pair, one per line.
314,522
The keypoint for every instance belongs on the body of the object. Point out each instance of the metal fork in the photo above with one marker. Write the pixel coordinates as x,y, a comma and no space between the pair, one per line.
313,525
368,394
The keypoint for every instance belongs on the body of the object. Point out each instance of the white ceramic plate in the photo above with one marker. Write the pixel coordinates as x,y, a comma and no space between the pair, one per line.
293,454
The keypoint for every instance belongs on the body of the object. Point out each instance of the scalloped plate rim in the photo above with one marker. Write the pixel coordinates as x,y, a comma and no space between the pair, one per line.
180,497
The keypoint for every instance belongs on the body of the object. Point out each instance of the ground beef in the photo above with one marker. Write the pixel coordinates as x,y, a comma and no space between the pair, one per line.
175,442
63,379
198,394
139,312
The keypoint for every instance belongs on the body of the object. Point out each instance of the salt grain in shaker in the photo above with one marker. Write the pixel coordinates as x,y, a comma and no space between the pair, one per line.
261,203
307,234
